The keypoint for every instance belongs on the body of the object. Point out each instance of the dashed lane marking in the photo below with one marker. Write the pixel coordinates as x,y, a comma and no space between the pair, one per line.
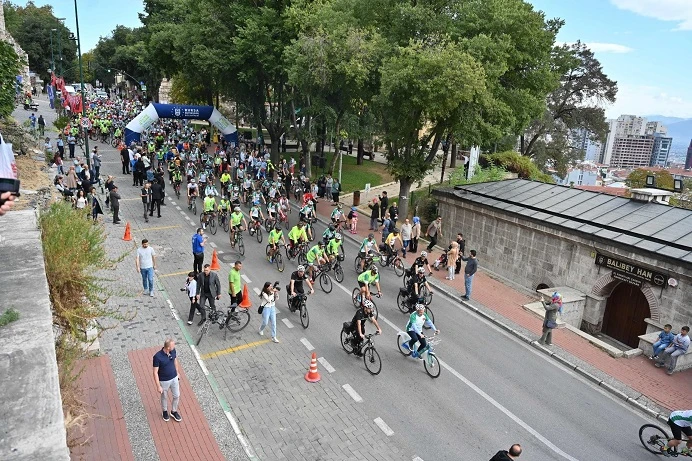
417,458
178,208
352,392
147,229
231,350
287,323
327,366
183,213
244,277
382,425
220,252
307,344
256,290
213,245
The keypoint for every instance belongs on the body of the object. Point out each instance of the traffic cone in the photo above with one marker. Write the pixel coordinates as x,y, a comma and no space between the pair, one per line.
127,237
313,375
245,303
215,263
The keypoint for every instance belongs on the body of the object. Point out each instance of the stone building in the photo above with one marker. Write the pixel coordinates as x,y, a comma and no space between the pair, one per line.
6,37
629,258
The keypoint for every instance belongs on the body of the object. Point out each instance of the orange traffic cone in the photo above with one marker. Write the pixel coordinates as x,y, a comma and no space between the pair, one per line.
313,375
127,237
215,263
245,303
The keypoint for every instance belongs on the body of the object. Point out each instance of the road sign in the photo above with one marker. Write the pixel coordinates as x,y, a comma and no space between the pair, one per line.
85,122
144,88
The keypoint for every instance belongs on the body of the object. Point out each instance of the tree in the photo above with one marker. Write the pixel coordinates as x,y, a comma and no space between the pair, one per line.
574,107
10,66
637,179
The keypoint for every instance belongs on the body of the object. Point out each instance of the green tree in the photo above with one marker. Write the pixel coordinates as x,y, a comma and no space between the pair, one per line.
637,179
10,66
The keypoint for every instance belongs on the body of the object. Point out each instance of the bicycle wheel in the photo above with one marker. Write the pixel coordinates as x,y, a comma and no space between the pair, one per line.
430,314
304,316
239,320
226,224
177,192
399,345
268,223
194,207
407,278
653,438
258,235
212,225
432,366
326,282
202,331
266,251
401,303
372,360
355,297
286,224
398,266
356,264
302,257
425,294
339,273
341,253
346,341
279,261
241,247
383,260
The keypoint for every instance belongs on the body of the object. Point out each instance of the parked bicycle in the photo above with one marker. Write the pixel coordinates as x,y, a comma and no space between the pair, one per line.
371,358
430,361
231,321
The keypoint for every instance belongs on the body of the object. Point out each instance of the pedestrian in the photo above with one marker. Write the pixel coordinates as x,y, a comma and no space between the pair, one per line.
145,261
115,204
95,205
191,289
550,318
394,213
329,182
235,288
469,272
157,197
336,189
678,347
452,256
199,240
61,146
208,289
267,308
71,144
109,187
384,203
508,455
462,248
96,163
125,160
434,232
147,200
374,214
167,377
138,173
386,226
406,230
415,234
41,126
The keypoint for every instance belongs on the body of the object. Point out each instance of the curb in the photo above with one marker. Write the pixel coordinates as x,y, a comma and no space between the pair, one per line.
564,362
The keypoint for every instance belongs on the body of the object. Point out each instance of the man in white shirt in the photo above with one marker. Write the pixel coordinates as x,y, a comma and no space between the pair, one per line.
145,261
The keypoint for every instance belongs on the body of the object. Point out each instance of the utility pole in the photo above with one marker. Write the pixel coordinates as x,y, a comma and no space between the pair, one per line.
52,55
81,81
58,31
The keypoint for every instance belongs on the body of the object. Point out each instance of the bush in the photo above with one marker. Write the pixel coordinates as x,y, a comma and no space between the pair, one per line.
481,174
9,316
61,122
515,163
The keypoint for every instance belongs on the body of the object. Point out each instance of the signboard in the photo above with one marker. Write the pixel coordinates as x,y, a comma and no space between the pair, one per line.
85,122
144,87
627,278
632,270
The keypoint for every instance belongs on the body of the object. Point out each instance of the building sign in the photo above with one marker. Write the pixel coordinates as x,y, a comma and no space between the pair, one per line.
631,271
617,275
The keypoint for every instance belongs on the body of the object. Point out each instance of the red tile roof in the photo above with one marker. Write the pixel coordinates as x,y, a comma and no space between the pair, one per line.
617,191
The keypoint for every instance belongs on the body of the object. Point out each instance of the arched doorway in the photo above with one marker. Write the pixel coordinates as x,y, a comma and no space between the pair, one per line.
626,309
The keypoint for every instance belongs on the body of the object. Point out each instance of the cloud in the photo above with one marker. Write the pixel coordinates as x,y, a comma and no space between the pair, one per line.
608,48
647,99
679,11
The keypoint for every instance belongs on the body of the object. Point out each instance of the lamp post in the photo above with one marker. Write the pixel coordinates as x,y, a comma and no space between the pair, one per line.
52,55
59,46
81,84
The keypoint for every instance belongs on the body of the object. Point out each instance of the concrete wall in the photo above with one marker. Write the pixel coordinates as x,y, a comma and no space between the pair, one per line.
530,253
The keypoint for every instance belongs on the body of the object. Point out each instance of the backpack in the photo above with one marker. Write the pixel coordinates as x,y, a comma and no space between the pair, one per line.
339,187
392,225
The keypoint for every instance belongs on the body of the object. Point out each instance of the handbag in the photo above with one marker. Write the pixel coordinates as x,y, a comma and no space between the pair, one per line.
260,309
552,324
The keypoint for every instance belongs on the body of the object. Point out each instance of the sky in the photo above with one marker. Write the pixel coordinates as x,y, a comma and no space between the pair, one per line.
644,45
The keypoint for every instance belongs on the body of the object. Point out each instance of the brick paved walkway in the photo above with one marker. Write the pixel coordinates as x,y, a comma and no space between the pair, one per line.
638,373
105,431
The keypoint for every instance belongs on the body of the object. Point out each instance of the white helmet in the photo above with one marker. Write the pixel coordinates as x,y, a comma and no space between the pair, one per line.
420,307
337,236
367,303
424,253
301,268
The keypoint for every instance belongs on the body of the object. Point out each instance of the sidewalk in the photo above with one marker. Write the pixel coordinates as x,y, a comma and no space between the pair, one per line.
633,379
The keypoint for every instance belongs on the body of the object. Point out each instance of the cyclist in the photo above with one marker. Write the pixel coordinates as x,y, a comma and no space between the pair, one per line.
358,325
315,257
211,189
275,236
171,168
247,187
421,261
332,249
413,287
306,212
364,281
235,196
297,235
256,214
177,177
209,208
223,209
272,207
257,197
284,203
329,233
225,181
203,179
390,241
680,422
296,286
367,247
337,214
414,328
192,191
237,219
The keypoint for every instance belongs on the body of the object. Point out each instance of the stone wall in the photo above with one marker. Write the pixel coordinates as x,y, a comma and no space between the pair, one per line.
530,252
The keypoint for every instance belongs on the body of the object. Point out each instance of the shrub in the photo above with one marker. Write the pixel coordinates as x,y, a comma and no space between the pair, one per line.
61,122
515,163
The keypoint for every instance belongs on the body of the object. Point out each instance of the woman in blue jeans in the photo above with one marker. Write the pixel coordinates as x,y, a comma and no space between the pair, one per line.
414,328
268,302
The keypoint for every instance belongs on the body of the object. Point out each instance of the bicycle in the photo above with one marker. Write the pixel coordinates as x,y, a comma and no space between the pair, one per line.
300,251
283,218
301,299
231,321
358,302
269,222
236,238
210,219
369,260
395,261
256,230
403,302
176,188
323,276
655,439
335,265
192,204
371,358
309,228
278,259
430,361
224,221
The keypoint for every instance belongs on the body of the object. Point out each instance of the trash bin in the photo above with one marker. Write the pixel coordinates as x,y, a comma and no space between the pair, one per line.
356,197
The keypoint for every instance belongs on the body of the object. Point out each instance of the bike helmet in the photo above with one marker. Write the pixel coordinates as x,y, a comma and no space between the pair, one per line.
256,202
277,228
339,206
420,307
373,268
236,188
424,253
320,243
236,208
368,304
301,268
371,235
337,236
331,227
192,180
421,270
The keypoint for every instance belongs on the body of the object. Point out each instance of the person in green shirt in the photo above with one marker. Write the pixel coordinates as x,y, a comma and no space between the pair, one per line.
225,181
223,209
364,281
332,249
209,208
275,236
315,257
237,219
297,235
235,288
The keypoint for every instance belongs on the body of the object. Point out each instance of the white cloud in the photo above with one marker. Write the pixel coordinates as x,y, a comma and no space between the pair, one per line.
608,48
646,99
679,11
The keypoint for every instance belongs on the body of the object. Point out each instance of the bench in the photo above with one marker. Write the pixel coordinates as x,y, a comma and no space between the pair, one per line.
647,340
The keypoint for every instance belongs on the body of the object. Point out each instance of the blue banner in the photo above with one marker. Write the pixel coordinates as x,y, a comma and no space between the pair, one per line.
183,112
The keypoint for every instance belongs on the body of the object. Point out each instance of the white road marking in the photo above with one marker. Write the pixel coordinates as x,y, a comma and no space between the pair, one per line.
172,202
244,277
256,290
220,252
327,366
417,458
241,437
352,392
173,311
307,344
382,425
178,208
192,224
213,245
288,323
183,213
199,359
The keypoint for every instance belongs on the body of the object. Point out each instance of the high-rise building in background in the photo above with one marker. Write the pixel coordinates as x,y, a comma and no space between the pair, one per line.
661,149
607,149
632,151
654,128
688,160
630,125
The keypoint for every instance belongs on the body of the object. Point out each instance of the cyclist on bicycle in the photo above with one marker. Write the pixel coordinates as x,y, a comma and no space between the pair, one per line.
329,233
364,281
209,208
225,181
284,203
203,179
192,191
414,285
358,325
211,189
272,208
296,286
235,196
297,235
680,422
421,261
247,187
332,249
223,209
237,219
315,257
177,177
307,212
171,168
256,214
414,328
257,197
275,236
390,241
337,214
366,248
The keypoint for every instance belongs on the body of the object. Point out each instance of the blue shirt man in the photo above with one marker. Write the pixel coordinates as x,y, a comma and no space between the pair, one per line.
166,378
198,241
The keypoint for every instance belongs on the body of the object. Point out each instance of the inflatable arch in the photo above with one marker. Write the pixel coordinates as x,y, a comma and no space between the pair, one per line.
155,111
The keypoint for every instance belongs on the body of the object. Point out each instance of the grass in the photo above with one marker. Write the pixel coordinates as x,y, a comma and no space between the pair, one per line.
9,316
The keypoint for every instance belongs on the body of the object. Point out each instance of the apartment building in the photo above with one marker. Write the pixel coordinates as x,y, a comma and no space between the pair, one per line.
632,151
661,150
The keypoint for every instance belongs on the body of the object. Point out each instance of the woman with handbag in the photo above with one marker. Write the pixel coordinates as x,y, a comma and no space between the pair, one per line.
550,320
268,308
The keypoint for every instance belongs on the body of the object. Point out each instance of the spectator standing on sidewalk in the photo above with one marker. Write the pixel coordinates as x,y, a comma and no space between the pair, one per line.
678,347
415,234
191,290
335,190
198,242
110,184
41,126
384,203
469,272
71,143
434,232
462,248
374,214
96,163
235,288
157,197
268,306
145,261
115,204
508,455
147,200
406,230
125,160
394,213
167,378
61,146
550,319
208,288
452,257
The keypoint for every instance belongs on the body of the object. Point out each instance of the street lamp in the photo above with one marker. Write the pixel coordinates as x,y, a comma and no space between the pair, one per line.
59,45
52,56
81,81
